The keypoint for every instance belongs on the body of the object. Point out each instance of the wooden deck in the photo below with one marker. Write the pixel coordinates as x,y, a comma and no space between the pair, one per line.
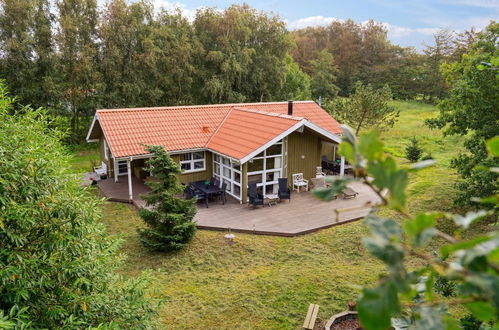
303,214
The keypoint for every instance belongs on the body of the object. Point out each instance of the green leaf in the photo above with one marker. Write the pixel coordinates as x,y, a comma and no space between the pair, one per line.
370,146
377,306
421,228
348,151
337,185
387,176
482,310
493,146
469,218
348,135
448,249
422,164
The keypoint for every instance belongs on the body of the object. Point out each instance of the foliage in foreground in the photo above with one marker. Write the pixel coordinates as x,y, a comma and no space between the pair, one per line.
472,111
57,264
366,107
168,217
406,298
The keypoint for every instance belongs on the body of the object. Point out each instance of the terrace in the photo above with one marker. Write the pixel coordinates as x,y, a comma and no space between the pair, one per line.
303,214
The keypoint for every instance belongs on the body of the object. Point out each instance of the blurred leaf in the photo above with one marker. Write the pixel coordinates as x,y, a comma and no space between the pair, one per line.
470,217
370,147
448,249
482,310
337,185
348,135
421,228
348,151
422,164
377,305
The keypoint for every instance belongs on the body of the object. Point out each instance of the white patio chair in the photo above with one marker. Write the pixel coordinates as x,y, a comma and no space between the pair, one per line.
319,173
102,170
299,181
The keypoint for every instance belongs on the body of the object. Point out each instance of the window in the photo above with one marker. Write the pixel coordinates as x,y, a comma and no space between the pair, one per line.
229,172
193,161
266,168
122,167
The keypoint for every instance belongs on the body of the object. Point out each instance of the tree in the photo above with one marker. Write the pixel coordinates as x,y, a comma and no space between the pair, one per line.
413,151
78,53
404,296
168,217
366,107
323,74
57,263
296,84
472,110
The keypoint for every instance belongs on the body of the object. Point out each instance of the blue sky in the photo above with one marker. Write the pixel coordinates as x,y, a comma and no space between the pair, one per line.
410,23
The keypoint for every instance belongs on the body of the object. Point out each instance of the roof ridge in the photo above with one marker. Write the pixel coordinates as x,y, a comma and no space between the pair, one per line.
173,107
218,127
269,113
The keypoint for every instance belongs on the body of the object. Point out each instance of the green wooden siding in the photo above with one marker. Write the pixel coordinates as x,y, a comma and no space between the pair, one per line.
306,144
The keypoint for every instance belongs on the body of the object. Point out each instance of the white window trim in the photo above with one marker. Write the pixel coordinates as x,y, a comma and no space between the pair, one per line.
192,161
106,150
264,172
118,167
231,180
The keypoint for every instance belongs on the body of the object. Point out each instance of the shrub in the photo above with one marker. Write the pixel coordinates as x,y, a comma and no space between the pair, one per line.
428,156
445,287
413,152
169,218
470,322
57,264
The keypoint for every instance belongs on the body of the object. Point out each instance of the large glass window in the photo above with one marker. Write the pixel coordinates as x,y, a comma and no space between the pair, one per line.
227,171
193,161
266,168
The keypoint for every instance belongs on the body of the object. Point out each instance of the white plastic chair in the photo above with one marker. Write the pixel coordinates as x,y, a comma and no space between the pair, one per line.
319,173
299,181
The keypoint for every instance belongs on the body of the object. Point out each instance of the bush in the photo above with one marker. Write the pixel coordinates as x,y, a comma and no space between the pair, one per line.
170,219
413,152
445,287
470,322
428,156
57,263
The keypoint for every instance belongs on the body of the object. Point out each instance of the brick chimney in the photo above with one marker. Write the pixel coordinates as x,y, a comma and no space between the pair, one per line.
290,108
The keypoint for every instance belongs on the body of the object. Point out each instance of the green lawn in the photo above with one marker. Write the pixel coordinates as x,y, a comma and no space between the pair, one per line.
264,282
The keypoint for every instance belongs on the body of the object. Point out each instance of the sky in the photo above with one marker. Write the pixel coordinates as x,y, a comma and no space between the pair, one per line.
409,23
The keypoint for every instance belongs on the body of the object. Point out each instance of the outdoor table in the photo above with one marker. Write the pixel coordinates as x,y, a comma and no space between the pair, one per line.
206,189
271,199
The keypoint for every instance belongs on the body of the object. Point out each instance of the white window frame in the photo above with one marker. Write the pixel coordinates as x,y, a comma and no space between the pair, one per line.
264,172
192,161
120,172
233,171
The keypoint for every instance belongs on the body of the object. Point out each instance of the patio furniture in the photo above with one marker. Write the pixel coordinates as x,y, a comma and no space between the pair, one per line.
319,173
327,165
192,193
299,181
349,193
309,323
271,199
207,189
318,182
254,197
284,192
101,171
222,192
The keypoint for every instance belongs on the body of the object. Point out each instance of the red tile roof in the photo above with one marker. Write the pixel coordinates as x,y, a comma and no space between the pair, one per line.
231,129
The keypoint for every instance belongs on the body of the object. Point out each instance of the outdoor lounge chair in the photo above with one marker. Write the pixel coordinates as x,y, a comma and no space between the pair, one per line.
349,193
254,197
222,194
284,192
299,181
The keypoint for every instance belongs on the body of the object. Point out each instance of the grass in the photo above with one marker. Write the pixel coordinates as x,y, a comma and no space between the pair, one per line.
84,158
264,282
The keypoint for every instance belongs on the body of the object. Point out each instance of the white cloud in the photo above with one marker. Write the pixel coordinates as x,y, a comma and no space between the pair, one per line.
190,14
310,21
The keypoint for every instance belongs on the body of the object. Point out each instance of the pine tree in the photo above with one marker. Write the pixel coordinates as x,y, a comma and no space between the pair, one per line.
413,151
169,218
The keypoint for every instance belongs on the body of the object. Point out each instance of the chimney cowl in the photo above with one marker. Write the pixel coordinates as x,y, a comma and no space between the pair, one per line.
290,108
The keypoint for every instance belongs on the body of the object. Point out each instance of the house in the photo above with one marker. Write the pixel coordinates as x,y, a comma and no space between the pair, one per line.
236,143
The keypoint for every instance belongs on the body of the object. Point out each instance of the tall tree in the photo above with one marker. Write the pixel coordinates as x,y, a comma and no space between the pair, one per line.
472,111
244,54
296,84
76,42
323,72
365,108
168,217
57,263
16,46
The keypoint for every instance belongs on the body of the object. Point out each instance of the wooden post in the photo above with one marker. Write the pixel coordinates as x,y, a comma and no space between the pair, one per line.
342,168
129,168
